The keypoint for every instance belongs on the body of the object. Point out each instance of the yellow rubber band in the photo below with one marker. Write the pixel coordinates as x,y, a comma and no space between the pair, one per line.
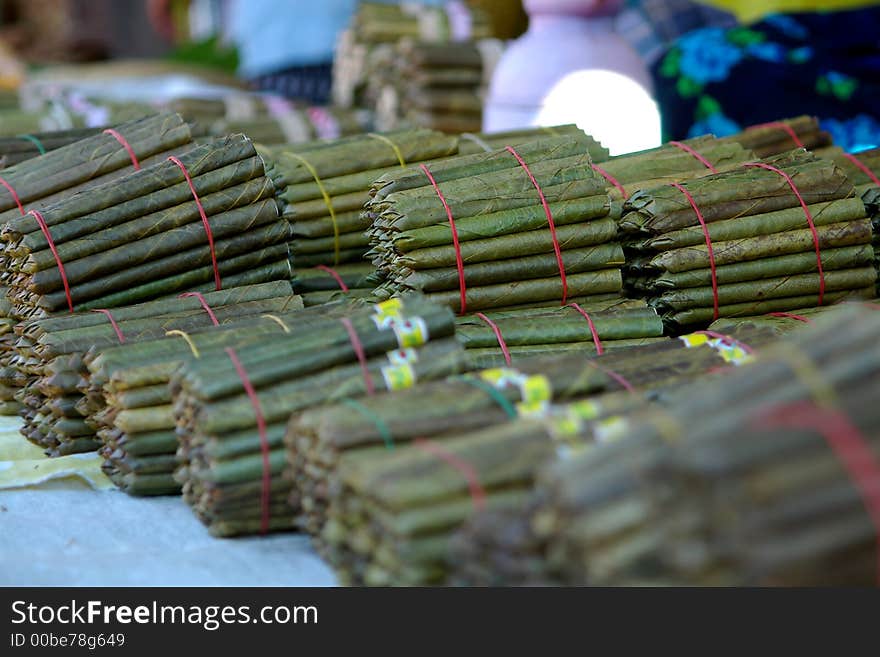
278,321
188,339
808,374
394,146
327,201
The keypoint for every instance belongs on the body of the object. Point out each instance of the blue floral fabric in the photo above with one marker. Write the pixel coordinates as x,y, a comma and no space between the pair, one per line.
717,80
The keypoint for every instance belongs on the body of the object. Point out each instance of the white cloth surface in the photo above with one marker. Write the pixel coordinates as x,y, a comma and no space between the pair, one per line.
64,537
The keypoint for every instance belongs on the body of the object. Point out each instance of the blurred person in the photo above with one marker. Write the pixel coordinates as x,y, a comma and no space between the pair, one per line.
787,58
284,47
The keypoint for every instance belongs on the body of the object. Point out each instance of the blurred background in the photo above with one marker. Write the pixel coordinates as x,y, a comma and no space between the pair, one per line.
632,73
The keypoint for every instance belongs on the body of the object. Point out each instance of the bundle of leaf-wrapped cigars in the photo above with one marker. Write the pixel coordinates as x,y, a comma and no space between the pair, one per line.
49,353
322,188
366,49
670,162
85,164
771,236
438,86
295,125
777,137
231,408
529,224
502,338
322,284
129,398
484,142
14,150
388,485
207,219
766,477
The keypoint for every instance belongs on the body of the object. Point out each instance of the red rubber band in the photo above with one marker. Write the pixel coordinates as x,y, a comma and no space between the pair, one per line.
799,318
863,168
266,487
128,149
498,336
768,167
848,444
204,217
550,222
14,195
726,338
43,227
611,179
614,375
596,341
690,151
335,275
711,250
112,323
358,347
459,263
203,301
787,129
478,495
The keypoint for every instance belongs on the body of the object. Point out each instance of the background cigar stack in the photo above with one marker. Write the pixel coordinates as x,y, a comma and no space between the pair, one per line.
506,243
764,251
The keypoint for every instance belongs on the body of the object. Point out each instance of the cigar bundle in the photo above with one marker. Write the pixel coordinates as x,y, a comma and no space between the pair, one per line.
761,478
513,226
770,236
384,487
778,137
14,150
48,366
231,408
365,51
485,142
204,220
129,397
431,85
322,187
83,165
506,337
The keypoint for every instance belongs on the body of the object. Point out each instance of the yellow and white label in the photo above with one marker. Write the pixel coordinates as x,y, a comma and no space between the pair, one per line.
730,351
403,356
399,377
535,391
411,332
387,312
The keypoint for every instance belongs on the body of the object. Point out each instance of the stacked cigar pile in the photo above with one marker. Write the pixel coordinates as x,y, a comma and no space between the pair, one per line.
289,124
205,220
25,147
366,50
438,86
506,337
129,398
231,408
470,143
322,188
82,165
764,478
777,137
771,236
50,353
514,226
384,487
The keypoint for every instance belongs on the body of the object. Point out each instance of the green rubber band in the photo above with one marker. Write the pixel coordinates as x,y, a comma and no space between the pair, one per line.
36,142
384,431
494,393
